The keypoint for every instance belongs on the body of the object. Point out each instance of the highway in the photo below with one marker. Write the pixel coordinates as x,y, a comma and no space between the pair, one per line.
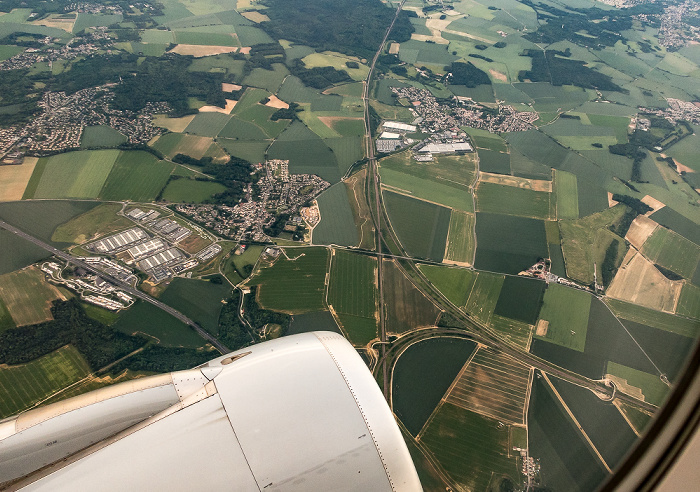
122,285
373,176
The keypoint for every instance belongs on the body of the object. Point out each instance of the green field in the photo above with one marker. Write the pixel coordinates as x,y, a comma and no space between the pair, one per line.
200,300
567,195
242,130
295,283
6,321
517,332
657,319
28,296
500,199
352,287
75,174
207,124
689,302
26,384
259,115
100,136
455,283
270,80
41,217
455,170
205,38
337,224
145,318
409,215
470,447
191,191
360,331
442,194
251,151
137,176
567,311
584,242
673,251
460,238
100,220
239,267
654,390
484,296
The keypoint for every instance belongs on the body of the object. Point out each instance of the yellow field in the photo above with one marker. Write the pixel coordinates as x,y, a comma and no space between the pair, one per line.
641,228
255,16
639,282
56,22
175,125
275,102
193,146
514,181
230,104
14,179
28,296
494,385
200,50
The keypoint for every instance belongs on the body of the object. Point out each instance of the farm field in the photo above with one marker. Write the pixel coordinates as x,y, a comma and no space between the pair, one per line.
454,283
508,244
584,242
457,170
200,300
155,323
641,228
668,217
565,311
40,218
638,281
18,252
352,285
484,296
567,195
137,176
493,385
74,174
416,392
516,332
460,239
337,61
604,425
359,330
6,321
409,215
431,191
520,299
565,459
251,151
24,385
689,301
172,144
337,224
406,307
207,124
673,251
100,220
100,136
27,296
239,267
498,199
360,209
306,152
470,447
14,179
295,283
663,321
191,190
317,321
492,161
652,388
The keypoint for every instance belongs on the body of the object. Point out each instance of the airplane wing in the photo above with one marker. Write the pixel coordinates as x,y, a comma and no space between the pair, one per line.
297,413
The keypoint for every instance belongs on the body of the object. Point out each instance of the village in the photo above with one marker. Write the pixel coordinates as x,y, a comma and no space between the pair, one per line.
63,118
281,194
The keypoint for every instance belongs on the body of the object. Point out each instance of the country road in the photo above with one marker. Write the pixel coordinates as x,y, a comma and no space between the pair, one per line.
122,285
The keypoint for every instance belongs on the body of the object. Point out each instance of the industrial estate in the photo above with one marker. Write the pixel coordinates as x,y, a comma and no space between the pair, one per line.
496,202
